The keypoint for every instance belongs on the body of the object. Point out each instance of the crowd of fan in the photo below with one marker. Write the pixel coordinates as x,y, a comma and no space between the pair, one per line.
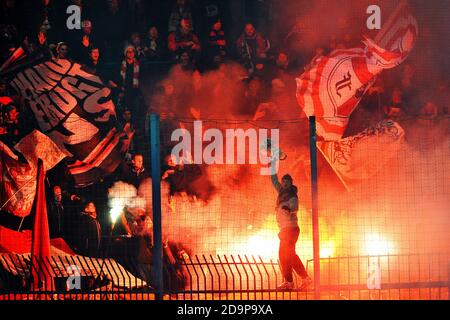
125,61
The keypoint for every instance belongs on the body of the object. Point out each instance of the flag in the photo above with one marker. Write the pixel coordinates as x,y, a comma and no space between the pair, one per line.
18,184
40,246
359,157
74,108
334,85
400,32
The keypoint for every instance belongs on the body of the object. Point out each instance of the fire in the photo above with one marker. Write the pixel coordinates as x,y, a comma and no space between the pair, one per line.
376,245
262,243
116,210
327,249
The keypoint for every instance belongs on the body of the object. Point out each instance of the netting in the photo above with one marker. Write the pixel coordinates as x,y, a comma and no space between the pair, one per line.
394,202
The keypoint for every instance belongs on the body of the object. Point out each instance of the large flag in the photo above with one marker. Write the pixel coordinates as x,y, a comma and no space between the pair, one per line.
18,183
359,157
334,85
74,108
40,246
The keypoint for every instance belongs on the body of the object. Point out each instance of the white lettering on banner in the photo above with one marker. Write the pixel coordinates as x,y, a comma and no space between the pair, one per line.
55,89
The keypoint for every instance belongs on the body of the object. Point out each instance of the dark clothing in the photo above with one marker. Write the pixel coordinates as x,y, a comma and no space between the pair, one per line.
89,235
183,177
11,132
285,194
129,75
113,30
289,260
251,50
215,40
98,69
178,13
180,42
131,176
78,51
56,218
154,49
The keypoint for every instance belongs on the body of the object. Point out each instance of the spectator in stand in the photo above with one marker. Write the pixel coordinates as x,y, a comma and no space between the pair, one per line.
62,51
94,59
180,11
83,41
89,231
127,118
409,86
252,97
294,42
135,172
114,30
5,101
281,70
186,63
395,109
320,53
200,96
154,48
96,65
430,109
58,221
130,80
9,122
217,43
184,40
252,49
136,42
164,103
56,213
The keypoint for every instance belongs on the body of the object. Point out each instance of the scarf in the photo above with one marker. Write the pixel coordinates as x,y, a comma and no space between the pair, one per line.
123,72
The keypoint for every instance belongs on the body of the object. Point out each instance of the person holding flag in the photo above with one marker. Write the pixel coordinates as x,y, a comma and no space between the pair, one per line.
286,215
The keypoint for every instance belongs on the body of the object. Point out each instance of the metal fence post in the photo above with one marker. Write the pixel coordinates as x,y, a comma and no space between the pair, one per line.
315,209
156,205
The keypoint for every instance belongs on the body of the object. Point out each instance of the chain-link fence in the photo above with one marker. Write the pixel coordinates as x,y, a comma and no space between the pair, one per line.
382,217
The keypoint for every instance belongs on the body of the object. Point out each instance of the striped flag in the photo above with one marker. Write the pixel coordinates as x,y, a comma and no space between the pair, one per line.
357,158
334,85
74,108
18,183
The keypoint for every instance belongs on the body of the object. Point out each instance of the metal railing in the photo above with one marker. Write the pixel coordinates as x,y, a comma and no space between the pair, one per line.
227,277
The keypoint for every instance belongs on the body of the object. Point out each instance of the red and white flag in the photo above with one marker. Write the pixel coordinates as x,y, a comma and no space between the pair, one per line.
18,183
334,85
357,158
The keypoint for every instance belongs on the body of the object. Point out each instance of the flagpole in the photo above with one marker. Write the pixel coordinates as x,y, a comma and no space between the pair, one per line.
21,222
156,206
315,205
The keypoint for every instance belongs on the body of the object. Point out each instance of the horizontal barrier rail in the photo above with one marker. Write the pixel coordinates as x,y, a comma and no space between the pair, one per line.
222,277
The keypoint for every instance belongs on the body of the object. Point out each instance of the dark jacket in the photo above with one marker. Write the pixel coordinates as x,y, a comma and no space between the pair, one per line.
89,235
129,175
